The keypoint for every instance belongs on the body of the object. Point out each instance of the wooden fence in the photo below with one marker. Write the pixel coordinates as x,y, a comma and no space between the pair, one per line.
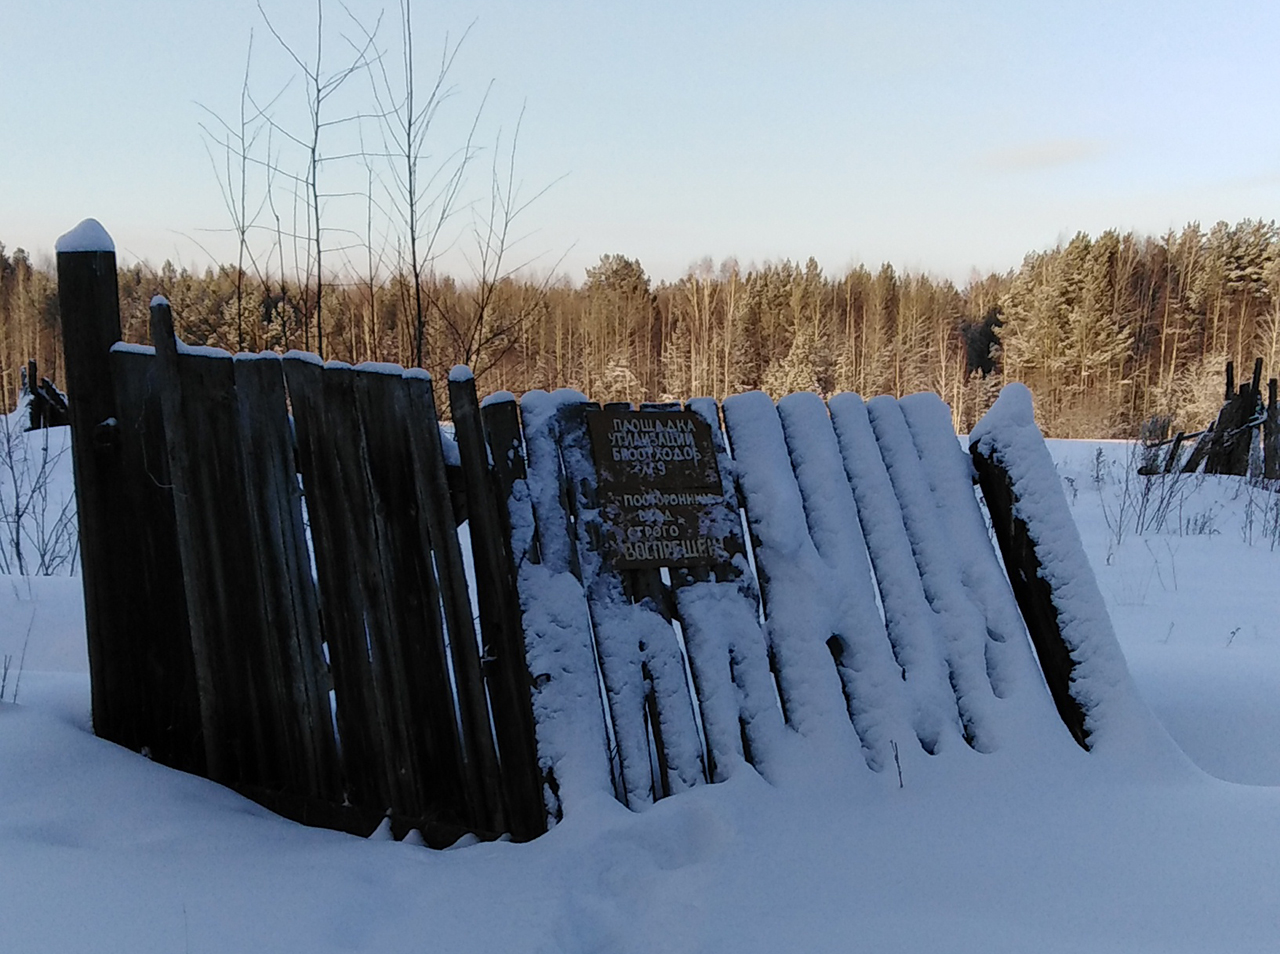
277,596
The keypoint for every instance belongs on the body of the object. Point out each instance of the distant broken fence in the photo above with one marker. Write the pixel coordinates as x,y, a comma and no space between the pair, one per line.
277,597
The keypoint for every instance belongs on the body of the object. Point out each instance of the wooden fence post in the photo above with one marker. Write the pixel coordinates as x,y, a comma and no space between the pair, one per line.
1271,435
1033,593
90,306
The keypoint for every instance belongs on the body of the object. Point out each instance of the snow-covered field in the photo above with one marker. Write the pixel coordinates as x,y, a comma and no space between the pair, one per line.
1136,849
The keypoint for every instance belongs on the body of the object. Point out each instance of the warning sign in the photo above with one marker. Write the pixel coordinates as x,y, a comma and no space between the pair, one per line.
659,488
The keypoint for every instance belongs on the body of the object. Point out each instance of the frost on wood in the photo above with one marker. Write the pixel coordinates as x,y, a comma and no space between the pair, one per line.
1100,681
88,236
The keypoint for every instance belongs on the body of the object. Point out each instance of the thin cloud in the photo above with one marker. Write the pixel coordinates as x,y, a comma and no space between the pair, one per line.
1039,156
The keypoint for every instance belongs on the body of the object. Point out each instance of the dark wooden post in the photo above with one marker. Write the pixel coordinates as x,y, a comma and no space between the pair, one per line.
34,418
1271,435
89,302
1171,461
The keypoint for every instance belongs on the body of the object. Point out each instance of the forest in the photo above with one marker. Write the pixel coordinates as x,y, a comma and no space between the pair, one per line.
1107,331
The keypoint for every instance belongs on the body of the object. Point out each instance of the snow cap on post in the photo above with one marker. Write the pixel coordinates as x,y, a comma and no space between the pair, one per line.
460,372
88,236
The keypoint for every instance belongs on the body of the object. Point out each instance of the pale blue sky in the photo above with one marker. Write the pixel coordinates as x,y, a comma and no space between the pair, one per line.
938,136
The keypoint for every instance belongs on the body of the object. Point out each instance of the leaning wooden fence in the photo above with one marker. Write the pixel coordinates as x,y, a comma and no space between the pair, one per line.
277,596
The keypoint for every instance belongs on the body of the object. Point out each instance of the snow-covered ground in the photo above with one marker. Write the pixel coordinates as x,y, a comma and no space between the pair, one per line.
101,850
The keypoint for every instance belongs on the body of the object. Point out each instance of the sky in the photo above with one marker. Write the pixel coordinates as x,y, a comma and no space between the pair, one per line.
941,137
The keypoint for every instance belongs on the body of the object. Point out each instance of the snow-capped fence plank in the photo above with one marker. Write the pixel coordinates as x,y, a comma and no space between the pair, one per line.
569,715
869,674
508,673
1056,590
640,660
1010,664
719,610
909,619
797,611
504,668
956,619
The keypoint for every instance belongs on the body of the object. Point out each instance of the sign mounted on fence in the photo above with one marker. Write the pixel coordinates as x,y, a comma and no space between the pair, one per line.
659,488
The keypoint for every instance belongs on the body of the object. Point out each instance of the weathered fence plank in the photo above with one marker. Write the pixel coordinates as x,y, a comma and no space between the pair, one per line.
571,722
436,523
1271,435
956,619
719,611
507,670
232,730
341,615
1033,591
871,677
473,700
403,601
149,571
797,614
643,668
291,624
908,616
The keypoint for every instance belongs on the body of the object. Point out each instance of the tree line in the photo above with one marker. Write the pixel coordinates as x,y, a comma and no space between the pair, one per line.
1107,331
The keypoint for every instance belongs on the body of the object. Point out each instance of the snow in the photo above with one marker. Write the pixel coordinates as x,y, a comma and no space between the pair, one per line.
1029,847
159,300
128,347
307,356
88,236
460,372
908,615
381,367
203,351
